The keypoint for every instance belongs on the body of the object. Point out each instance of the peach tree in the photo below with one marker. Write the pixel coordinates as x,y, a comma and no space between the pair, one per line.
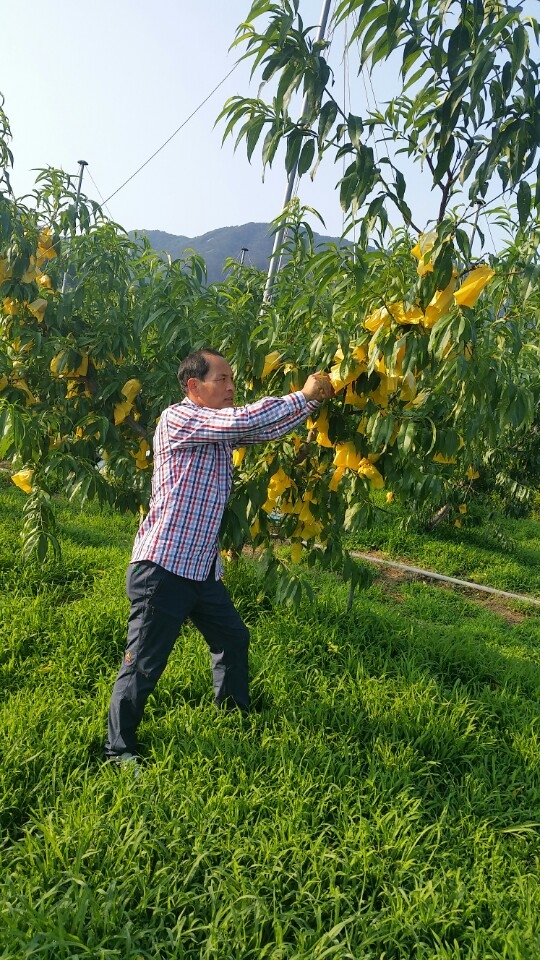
432,343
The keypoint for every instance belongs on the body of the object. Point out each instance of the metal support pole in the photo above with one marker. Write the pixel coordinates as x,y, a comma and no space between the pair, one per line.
278,238
82,165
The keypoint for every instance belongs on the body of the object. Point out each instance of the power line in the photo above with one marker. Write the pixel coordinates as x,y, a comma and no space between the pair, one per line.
104,202
146,162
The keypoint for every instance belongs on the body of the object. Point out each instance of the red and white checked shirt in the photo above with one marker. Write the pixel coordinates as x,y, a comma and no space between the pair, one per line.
193,473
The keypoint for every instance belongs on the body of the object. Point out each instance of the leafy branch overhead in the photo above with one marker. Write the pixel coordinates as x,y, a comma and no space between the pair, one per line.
466,105
432,348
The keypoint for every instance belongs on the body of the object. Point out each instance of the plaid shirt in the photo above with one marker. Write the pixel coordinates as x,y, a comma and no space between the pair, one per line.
193,473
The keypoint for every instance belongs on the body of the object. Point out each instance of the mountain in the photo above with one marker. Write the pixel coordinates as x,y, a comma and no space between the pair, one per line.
221,244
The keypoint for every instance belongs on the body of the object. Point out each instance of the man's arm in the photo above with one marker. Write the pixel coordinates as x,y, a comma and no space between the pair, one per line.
267,419
316,389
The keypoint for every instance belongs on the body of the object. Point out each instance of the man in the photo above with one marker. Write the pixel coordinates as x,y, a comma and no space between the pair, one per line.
175,570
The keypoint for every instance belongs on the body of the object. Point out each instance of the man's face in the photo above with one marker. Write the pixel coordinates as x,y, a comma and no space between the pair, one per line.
217,388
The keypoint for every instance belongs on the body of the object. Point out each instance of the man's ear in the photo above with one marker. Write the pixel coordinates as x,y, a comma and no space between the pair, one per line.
193,385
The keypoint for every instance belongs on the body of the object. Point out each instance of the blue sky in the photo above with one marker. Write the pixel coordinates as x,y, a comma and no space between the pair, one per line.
109,82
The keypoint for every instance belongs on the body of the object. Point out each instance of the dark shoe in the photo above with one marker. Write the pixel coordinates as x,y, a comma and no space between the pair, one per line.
125,761
229,705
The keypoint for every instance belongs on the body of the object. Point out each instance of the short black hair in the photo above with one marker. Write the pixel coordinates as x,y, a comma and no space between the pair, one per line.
195,365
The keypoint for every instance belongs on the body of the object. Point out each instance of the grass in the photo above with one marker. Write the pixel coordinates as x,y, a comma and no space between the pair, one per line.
503,553
385,802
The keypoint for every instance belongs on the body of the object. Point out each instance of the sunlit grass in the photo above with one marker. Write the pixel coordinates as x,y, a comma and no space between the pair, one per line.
385,802
503,552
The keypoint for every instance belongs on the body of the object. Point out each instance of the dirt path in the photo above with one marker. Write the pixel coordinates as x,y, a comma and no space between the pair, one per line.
390,579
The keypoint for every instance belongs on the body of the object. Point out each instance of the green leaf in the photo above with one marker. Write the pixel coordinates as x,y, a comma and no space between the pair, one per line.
5,420
294,144
290,79
469,159
371,20
355,129
306,157
459,46
463,243
355,516
523,202
327,118
254,131
519,45
411,52
443,266
347,190
270,145
381,49
405,437
400,184
444,160
42,545
507,79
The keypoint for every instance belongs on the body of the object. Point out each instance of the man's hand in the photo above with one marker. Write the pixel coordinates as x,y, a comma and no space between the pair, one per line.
318,387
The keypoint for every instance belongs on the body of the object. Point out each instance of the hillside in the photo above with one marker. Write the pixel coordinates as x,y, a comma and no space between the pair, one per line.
217,246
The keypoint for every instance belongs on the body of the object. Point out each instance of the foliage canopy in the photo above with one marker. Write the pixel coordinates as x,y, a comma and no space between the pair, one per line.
432,346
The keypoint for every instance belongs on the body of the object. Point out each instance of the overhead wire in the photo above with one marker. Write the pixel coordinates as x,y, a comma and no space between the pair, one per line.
168,140
486,218
103,201
242,259
179,128
374,105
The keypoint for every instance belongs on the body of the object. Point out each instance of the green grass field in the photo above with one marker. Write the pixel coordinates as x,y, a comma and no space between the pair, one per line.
385,802
500,552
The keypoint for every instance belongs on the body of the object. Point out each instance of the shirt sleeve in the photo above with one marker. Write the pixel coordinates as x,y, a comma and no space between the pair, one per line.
267,419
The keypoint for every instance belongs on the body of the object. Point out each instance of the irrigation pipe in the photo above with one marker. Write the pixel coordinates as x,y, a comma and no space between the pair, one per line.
440,576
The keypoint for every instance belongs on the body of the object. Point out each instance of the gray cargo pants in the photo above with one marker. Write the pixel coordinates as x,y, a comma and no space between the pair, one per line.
160,603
